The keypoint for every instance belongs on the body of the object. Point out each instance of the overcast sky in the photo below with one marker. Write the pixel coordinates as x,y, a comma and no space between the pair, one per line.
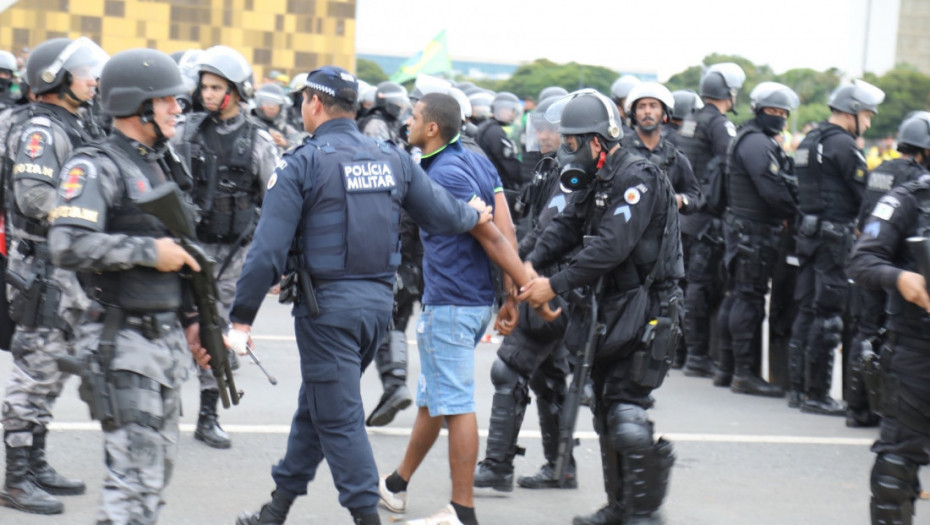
650,36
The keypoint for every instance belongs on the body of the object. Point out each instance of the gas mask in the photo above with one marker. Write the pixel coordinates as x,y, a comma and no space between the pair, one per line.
578,167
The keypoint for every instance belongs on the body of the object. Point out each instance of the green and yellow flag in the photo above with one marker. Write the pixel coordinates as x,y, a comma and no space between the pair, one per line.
434,59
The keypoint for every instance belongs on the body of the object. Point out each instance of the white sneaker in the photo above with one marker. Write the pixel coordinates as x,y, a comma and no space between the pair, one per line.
392,501
445,516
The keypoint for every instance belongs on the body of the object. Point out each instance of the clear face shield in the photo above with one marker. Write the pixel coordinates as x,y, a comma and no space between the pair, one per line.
870,96
541,135
83,58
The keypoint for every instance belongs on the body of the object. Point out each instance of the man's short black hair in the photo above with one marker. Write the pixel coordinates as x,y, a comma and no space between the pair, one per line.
445,112
331,103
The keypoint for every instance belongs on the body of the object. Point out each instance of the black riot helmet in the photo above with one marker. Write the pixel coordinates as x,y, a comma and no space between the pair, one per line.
915,130
584,114
855,97
722,81
687,102
53,64
392,98
133,77
228,63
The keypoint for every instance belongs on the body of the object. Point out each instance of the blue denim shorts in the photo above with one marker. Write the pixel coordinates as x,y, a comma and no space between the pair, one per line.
446,339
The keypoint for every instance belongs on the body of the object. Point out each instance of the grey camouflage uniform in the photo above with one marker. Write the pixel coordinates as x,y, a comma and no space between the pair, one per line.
37,148
140,454
264,159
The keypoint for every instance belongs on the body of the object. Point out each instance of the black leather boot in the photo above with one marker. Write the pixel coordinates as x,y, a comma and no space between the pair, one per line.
745,381
19,490
549,428
45,476
208,429
611,514
272,513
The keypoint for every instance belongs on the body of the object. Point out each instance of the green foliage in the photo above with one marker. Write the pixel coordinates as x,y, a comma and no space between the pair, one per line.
529,79
905,90
369,71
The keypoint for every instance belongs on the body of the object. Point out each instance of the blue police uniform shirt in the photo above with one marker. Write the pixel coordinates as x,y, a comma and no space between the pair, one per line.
456,269
300,187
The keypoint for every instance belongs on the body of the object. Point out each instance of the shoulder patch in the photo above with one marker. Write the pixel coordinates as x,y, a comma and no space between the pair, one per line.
73,177
632,195
731,128
272,180
35,140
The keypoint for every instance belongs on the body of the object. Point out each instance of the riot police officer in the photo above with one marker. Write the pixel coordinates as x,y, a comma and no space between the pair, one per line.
231,159
294,90
531,147
704,138
687,102
133,330
649,105
532,356
626,213
352,278
8,70
494,138
831,182
761,193
271,110
386,118
46,302
914,146
882,260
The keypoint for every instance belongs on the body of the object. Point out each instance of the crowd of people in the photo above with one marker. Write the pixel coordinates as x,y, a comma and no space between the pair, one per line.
617,235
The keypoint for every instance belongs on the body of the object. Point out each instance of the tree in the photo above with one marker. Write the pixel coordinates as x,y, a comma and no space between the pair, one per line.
529,79
369,71
905,90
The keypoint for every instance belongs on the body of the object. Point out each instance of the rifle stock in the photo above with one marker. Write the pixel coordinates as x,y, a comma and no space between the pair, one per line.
167,204
572,405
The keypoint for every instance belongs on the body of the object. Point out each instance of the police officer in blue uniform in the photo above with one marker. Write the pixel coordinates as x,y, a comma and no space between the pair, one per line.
882,260
831,181
340,195
704,138
761,197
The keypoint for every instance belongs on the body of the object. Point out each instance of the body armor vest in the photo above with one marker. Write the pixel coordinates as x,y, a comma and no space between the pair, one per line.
887,176
905,317
19,120
225,186
817,188
694,142
352,232
139,289
743,198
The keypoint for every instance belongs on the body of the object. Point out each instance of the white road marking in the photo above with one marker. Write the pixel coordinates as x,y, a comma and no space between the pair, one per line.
401,431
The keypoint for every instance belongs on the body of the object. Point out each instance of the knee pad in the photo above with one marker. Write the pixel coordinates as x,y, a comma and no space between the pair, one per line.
833,330
894,479
629,429
505,379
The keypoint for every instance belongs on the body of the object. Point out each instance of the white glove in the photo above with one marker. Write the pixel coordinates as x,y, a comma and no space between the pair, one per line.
238,341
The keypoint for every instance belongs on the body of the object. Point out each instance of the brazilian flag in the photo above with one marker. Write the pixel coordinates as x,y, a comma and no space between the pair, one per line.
432,60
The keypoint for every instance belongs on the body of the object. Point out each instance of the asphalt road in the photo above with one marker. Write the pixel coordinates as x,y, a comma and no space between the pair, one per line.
740,459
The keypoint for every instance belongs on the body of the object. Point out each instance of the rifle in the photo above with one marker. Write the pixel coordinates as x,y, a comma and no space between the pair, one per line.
580,377
167,204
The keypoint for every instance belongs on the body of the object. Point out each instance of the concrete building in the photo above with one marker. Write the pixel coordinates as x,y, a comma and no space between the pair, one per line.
290,36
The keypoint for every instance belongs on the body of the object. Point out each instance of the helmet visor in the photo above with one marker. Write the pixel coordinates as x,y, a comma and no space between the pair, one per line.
83,58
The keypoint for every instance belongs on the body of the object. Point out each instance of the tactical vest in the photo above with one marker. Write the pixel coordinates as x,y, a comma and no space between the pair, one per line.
226,188
743,198
905,317
887,176
37,115
139,289
352,232
695,143
817,188
665,160
633,271
390,123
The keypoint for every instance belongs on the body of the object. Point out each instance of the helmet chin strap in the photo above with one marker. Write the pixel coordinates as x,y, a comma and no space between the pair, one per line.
147,116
